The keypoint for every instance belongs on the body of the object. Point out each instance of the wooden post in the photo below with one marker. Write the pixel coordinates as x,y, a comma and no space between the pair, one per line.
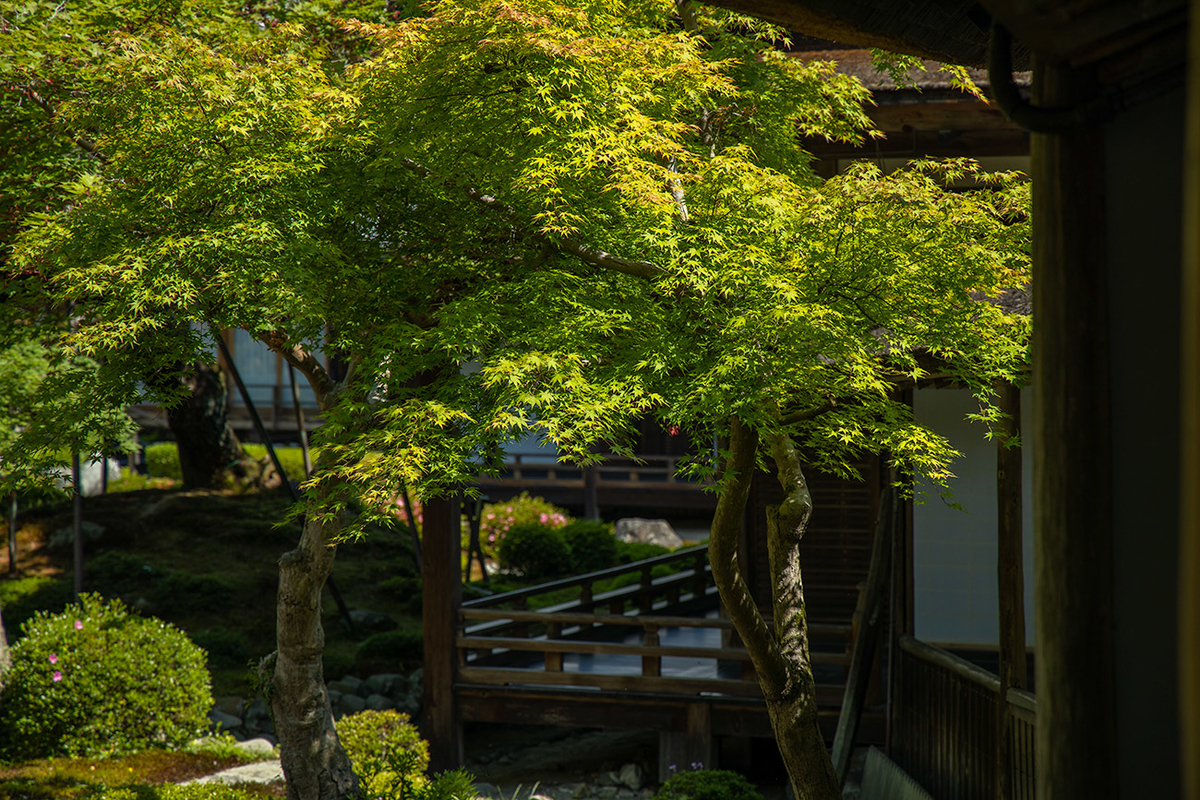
866,637
1189,535
651,665
1011,578
441,596
683,751
591,498
77,523
1076,722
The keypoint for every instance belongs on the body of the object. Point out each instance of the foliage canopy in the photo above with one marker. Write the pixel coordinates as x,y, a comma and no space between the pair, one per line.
514,216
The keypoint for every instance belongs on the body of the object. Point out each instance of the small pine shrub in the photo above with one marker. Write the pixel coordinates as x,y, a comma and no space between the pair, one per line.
162,461
499,518
95,680
455,784
388,754
592,545
535,551
708,784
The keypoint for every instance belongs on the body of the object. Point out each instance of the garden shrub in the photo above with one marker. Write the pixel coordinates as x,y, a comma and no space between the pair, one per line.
499,518
96,680
226,648
535,551
707,784
628,552
292,458
389,756
162,461
171,791
592,544
381,652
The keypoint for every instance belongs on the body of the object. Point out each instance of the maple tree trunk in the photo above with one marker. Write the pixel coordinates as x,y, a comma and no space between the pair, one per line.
208,447
314,763
780,655
5,656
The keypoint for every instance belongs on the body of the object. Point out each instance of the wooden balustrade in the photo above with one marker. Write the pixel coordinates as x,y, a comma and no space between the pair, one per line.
947,723
613,471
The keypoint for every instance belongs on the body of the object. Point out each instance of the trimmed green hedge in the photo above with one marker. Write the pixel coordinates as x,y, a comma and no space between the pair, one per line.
162,459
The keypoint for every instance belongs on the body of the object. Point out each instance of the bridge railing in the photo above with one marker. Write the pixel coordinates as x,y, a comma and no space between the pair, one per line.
948,726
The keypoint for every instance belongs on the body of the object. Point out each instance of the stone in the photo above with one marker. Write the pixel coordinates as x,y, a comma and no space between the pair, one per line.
230,704
648,531
334,696
90,475
366,620
379,702
218,720
607,793
258,746
349,685
259,772
390,684
352,704
633,776
609,778
582,791
258,716
64,538
486,790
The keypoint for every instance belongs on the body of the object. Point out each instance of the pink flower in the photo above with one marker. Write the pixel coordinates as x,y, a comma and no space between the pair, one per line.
78,624
53,658
57,676
545,518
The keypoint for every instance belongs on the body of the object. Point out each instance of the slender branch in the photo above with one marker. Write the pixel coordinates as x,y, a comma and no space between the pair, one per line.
595,256
810,413
323,386
81,141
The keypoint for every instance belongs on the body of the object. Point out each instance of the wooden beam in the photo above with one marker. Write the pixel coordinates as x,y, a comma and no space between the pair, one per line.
441,596
1076,733
1010,576
1189,535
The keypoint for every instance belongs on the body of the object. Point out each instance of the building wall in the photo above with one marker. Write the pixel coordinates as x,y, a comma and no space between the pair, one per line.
955,594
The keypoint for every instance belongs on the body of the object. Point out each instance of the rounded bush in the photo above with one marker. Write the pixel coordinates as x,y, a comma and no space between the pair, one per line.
387,752
535,551
708,784
96,680
497,519
380,652
592,545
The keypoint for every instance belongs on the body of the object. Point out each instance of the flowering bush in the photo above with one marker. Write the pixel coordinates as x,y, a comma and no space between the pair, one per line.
96,680
499,518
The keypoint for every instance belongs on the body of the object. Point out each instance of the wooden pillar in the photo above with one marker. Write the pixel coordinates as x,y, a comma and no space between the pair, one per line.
694,748
1011,578
1076,724
441,596
1189,535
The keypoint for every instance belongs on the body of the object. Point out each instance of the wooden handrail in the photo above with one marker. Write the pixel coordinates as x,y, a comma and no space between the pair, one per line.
948,661
682,554
636,621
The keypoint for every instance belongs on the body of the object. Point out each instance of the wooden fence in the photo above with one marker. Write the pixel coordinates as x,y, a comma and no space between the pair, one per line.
947,727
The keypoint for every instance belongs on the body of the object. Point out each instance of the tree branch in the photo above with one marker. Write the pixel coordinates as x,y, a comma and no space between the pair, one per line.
82,142
597,257
323,386
773,672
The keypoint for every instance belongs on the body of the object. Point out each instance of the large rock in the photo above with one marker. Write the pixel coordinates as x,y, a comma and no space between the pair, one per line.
366,620
631,775
387,683
218,720
648,531
349,685
379,702
64,538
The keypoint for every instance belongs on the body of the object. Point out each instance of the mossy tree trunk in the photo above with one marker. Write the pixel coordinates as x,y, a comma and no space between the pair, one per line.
209,450
780,653
314,763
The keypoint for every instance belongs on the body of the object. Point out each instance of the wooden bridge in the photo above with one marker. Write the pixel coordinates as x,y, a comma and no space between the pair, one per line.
653,653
